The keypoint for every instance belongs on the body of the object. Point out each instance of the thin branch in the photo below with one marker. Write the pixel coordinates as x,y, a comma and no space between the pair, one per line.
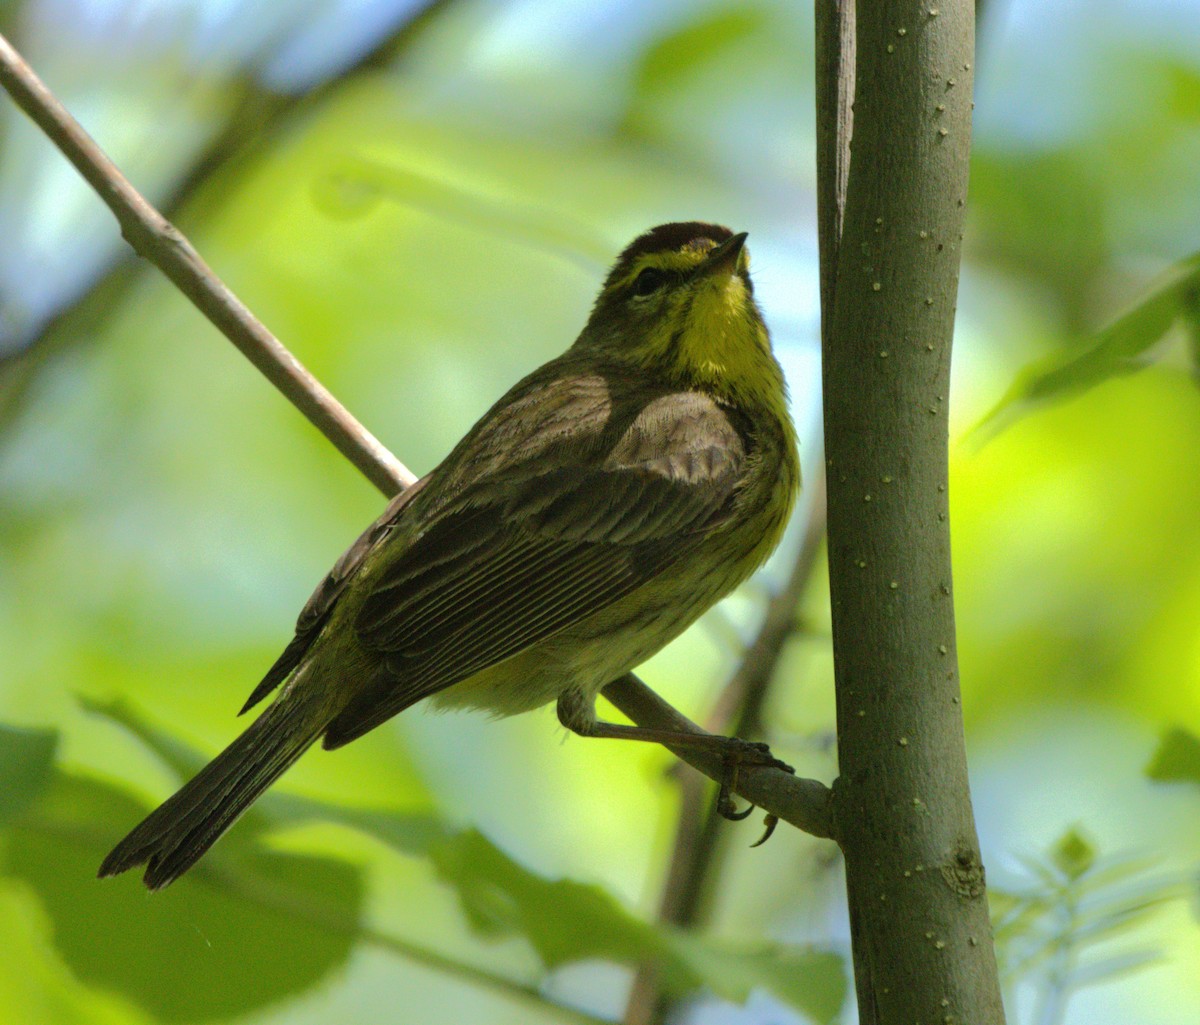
739,712
153,237
802,803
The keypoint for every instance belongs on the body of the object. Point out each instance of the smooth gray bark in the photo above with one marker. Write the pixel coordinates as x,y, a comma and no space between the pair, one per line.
922,940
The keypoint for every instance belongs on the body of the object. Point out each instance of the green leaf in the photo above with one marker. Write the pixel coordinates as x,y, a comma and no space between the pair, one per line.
812,981
409,833
1177,758
700,44
567,921
1110,969
26,766
1191,326
1117,350
246,928
1015,193
183,760
1075,905
564,920
355,185
1073,855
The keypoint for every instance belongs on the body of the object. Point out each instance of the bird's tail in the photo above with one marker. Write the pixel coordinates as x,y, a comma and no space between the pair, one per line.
173,837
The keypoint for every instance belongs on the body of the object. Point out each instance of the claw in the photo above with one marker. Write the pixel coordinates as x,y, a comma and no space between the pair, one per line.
758,755
771,821
727,809
725,805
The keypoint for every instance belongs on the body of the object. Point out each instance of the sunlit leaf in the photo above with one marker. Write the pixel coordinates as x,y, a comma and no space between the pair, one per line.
244,929
1177,758
1184,88
183,760
1118,349
698,45
1122,912
26,764
407,832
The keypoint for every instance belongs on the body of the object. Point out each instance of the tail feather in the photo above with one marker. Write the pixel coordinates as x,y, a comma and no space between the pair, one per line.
173,837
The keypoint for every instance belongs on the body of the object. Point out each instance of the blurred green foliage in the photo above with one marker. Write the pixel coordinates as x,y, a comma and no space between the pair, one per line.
422,234
225,946
1177,758
1067,925
1119,348
261,924
26,764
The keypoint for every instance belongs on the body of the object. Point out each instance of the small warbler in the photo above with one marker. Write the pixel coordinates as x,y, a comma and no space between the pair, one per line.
593,513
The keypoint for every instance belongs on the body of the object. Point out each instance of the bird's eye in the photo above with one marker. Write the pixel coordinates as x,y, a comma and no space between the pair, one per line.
650,280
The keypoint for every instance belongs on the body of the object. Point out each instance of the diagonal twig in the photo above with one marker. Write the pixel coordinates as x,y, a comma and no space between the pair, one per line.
258,117
153,237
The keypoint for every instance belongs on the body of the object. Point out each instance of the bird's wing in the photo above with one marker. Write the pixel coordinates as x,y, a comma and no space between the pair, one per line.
514,563
316,610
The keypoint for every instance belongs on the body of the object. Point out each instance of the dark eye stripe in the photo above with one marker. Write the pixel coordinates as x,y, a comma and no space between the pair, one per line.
650,280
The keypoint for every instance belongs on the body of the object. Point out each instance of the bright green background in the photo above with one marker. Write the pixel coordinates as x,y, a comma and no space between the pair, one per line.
420,237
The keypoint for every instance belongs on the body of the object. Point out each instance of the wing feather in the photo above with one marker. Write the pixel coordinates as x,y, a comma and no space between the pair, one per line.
510,563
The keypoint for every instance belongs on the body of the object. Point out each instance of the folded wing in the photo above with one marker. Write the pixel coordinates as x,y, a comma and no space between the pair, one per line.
507,567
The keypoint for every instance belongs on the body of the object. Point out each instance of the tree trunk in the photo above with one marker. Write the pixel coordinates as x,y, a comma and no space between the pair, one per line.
919,918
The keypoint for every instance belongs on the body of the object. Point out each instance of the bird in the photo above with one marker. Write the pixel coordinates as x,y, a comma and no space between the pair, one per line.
591,515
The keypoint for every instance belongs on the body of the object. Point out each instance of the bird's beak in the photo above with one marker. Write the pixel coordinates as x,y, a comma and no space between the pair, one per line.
723,259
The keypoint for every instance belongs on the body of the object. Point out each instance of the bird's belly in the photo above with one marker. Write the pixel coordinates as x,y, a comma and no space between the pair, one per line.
602,647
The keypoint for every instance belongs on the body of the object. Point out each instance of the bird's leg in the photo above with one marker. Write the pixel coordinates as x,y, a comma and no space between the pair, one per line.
577,712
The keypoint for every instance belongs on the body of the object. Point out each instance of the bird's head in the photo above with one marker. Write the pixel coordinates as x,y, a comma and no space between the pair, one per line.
679,302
